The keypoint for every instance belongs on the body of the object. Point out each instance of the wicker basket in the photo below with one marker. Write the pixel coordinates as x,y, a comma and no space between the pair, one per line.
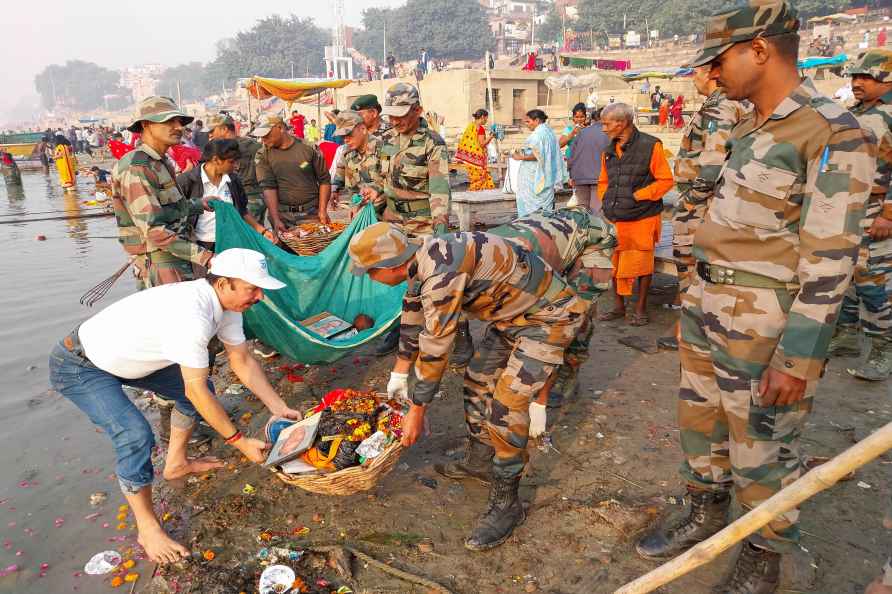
350,480
310,245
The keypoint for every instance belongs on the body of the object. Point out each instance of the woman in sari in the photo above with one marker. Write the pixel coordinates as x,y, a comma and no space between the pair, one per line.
664,113
66,163
471,152
541,166
675,112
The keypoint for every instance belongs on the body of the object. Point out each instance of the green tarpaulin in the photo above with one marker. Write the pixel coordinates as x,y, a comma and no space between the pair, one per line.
315,284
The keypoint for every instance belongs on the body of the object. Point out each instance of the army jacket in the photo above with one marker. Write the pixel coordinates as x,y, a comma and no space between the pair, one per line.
788,206
416,167
356,170
703,147
876,116
247,169
564,238
151,211
484,275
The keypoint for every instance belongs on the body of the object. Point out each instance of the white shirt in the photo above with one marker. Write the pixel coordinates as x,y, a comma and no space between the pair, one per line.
206,229
159,327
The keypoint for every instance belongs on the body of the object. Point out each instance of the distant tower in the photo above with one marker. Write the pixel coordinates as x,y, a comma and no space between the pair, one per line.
338,61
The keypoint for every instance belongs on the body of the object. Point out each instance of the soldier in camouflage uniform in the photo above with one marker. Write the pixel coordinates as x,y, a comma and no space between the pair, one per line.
415,166
360,167
867,300
775,253
697,168
222,126
579,246
533,316
154,219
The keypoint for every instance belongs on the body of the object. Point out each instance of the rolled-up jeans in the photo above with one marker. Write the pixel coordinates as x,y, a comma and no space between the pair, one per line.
101,397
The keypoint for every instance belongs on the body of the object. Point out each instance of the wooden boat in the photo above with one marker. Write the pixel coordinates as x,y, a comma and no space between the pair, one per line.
21,145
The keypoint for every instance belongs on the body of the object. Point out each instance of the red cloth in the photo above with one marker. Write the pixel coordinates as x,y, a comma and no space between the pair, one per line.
7,158
881,38
328,150
531,62
182,155
675,112
118,149
297,125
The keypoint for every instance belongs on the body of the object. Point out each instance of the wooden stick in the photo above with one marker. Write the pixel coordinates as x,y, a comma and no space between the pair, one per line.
815,481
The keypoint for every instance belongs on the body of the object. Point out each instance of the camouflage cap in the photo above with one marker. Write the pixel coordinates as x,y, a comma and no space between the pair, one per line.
345,121
215,121
266,124
876,63
381,245
399,99
365,102
756,18
156,109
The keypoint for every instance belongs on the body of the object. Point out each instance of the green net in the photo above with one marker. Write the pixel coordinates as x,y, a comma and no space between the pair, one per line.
316,284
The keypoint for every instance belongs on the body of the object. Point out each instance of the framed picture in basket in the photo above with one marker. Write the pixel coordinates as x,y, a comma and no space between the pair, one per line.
293,441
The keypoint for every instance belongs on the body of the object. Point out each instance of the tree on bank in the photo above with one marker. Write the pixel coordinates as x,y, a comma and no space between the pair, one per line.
192,79
448,29
78,85
270,48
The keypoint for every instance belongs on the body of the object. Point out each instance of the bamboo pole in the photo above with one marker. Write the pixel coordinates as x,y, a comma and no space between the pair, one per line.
823,477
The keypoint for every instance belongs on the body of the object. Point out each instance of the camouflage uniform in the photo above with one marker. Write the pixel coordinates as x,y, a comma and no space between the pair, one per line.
247,172
868,300
415,170
533,316
697,169
775,253
357,170
154,219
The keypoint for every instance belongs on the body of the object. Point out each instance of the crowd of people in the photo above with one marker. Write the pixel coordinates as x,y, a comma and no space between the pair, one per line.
782,200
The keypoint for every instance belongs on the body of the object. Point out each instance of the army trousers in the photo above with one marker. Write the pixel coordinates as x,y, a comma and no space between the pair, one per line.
162,269
685,221
257,207
509,368
589,284
867,299
728,336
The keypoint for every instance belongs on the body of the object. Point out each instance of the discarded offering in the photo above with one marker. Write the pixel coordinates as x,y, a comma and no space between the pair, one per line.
98,498
276,579
103,562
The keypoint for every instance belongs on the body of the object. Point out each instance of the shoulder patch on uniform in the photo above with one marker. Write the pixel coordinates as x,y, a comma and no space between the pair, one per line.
837,116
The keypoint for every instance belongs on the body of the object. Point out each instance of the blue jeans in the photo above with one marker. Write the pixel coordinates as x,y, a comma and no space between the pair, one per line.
100,396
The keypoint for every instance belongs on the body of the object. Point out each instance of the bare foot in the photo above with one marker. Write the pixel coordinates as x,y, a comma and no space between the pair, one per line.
877,587
192,466
160,547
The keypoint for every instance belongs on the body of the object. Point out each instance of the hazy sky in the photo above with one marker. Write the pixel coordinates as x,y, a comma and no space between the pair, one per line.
123,32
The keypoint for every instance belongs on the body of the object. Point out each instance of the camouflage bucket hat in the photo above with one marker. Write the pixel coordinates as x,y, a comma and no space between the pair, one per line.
158,110
215,121
266,124
381,245
756,18
345,121
399,99
876,63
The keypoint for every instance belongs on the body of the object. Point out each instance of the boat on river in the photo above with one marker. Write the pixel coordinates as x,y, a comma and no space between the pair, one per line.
22,144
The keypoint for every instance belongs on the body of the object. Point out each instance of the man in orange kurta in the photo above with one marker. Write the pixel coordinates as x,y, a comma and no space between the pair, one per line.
635,176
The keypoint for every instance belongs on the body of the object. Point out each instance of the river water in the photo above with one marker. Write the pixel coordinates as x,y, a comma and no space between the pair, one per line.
51,457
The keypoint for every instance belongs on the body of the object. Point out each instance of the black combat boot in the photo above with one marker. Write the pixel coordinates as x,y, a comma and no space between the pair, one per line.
476,464
390,343
757,571
708,515
464,345
503,514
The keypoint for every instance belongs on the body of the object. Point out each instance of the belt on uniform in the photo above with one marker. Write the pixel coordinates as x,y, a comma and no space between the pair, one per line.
410,207
160,257
720,275
299,208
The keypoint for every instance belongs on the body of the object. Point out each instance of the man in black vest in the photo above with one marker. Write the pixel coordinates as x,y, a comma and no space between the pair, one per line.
634,177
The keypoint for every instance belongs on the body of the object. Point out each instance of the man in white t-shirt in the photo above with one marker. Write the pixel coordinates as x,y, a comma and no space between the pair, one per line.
157,340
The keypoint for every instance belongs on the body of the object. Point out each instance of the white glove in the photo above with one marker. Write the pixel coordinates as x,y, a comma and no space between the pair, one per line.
537,419
398,386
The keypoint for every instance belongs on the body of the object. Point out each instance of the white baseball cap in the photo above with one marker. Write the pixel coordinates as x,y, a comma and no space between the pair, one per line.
247,265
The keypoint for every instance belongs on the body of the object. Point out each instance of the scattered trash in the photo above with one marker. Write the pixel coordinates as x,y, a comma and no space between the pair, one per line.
249,489
276,579
209,555
98,498
234,389
8,570
40,238
864,485
639,343
103,562
428,482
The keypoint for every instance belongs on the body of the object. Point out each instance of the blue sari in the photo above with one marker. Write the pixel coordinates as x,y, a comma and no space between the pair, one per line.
537,179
